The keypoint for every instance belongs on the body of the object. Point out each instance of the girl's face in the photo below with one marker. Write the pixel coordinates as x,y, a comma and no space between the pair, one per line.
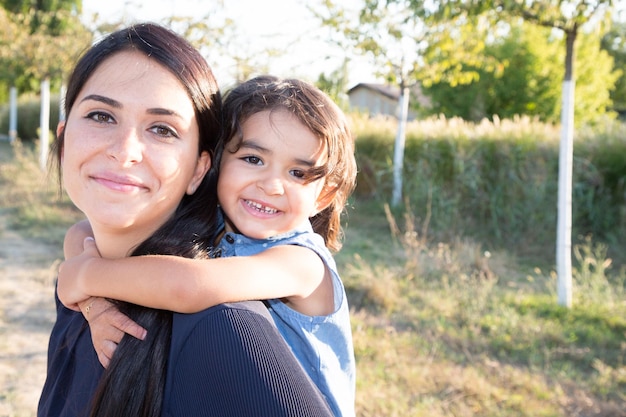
130,150
261,186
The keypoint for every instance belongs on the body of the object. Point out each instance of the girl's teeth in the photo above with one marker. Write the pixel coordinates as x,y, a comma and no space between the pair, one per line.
261,208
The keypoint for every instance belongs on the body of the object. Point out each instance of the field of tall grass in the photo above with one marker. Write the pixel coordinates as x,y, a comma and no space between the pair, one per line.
453,293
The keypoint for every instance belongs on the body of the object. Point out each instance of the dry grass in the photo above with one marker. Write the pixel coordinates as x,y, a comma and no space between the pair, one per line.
445,329
32,223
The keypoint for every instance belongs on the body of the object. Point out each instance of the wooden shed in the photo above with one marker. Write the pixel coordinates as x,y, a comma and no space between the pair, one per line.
376,99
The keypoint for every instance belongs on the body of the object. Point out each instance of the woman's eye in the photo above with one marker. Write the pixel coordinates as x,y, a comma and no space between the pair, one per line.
100,117
254,160
165,131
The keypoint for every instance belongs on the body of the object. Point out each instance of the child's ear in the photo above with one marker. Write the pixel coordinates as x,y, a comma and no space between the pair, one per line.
324,200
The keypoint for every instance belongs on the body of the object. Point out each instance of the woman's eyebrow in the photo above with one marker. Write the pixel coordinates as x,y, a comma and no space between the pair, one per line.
103,99
116,104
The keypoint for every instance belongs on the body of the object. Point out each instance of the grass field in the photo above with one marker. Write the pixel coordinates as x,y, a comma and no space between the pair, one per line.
445,329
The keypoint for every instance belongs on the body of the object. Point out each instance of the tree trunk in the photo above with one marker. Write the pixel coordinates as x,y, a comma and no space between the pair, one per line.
44,124
13,114
566,156
398,154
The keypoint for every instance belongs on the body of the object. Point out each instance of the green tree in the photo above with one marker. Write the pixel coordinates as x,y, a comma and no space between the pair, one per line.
530,81
30,56
614,42
56,23
567,17
39,43
406,52
335,84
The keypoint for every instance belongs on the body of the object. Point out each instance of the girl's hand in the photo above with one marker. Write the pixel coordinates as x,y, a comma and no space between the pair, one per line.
108,326
68,282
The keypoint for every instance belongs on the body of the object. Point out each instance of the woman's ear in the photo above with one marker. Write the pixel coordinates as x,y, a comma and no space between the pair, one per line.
60,128
202,167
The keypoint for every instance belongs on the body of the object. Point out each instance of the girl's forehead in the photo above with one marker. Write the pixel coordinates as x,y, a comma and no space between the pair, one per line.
279,131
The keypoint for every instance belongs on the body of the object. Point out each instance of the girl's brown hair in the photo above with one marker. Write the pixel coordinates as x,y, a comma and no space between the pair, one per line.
321,116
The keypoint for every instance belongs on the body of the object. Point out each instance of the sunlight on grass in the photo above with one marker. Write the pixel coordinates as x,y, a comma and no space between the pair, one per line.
32,196
446,328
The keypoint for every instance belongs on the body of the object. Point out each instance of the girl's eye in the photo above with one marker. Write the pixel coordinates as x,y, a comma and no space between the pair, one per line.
298,173
100,117
164,131
254,160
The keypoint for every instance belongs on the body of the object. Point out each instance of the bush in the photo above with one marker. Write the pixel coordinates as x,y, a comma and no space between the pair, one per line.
497,181
28,111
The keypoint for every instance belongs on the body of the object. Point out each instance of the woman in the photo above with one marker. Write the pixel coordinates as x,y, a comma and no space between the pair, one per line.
143,113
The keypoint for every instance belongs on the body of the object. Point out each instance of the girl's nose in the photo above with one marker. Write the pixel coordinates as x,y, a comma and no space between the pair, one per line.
127,148
271,185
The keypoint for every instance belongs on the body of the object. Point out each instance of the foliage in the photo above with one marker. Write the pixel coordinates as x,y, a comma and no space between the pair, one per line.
563,14
56,25
28,111
614,42
335,85
38,44
531,78
405,49
496,180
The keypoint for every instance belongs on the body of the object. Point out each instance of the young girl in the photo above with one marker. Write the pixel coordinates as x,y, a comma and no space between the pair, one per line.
286,171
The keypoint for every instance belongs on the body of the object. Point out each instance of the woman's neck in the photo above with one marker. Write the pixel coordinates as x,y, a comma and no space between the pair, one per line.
116,244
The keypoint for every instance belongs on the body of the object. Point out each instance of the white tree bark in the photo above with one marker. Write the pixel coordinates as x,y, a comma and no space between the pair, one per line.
62,103
44,123
564,205
13,114
398,154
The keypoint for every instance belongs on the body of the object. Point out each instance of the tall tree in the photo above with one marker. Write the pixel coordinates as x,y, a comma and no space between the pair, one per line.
41,9
568,17
531,78
406,52
38,43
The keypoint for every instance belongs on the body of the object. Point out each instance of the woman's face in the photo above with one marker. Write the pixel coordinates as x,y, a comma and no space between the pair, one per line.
130,150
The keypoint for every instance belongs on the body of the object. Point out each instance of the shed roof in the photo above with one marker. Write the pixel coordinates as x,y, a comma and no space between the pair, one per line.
386,90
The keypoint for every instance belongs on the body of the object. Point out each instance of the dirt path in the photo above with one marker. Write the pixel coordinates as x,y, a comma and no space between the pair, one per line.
27,273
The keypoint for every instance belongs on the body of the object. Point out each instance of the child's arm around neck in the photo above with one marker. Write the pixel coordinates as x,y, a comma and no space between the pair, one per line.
293,273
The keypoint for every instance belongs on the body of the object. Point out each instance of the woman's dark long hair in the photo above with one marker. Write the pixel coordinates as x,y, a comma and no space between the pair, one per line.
134,382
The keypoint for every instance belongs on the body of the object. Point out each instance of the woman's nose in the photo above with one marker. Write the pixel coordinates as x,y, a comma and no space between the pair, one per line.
127,147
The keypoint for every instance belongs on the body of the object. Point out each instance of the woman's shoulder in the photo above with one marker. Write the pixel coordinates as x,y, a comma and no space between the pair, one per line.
219,318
